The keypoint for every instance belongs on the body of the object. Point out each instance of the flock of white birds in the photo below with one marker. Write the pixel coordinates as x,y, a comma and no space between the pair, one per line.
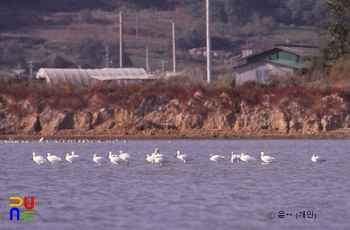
157,158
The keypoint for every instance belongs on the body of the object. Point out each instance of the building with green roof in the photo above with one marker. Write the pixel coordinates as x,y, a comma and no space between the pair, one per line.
278,61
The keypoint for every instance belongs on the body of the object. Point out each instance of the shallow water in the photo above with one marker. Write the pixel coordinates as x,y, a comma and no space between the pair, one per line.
197,195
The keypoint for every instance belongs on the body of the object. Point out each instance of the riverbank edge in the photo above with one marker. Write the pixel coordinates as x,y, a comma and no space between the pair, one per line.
334,136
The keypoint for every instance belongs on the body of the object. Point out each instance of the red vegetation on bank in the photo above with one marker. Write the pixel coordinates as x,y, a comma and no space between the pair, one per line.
129,97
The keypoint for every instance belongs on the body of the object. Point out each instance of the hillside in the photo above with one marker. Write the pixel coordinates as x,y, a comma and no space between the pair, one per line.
78,32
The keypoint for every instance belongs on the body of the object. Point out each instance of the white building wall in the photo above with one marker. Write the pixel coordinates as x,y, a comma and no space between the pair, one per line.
248,72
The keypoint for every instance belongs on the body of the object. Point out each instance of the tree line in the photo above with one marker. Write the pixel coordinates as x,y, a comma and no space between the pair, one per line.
253,17
238,12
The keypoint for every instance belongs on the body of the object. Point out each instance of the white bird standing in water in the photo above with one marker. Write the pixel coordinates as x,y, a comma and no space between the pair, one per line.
184,157
266,159
73,154
98,159
216,158
115,159
53,158
234,158
151,158
38,159
124,156
317,159
246,158
160,160
157,153
71,157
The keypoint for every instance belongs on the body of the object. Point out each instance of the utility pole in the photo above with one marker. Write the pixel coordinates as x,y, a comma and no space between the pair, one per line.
208,42
121,39
107,57
147,64
174,43
31,69
137,26
163,62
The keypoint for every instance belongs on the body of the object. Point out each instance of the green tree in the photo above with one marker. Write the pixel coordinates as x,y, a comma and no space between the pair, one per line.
12,53
113,47
56,61
248,30
159,4
259,27
196,8
90,52
336,29
86,16
217,9
193,36
265,26
239,12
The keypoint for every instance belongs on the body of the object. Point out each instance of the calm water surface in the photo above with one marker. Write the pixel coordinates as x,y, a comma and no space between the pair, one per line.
197,195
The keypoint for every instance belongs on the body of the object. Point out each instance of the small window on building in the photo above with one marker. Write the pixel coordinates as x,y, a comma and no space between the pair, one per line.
262,75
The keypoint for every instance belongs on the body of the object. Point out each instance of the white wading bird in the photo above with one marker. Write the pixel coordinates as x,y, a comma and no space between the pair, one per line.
71,157
266,159
216,158
184,157
124,156
234,158
73,154
41,140
157,153
160,160
317,159
246,158
115,159
150,158
98,159
38,159
53,158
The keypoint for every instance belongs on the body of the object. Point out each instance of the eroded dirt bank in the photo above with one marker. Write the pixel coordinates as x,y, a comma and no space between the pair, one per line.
199,115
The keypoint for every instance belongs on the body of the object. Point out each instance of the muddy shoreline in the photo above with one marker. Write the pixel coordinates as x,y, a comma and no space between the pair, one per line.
331,136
